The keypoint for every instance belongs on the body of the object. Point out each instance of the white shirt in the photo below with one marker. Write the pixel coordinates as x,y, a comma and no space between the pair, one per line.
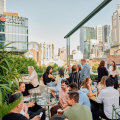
33,79
109,96
113,72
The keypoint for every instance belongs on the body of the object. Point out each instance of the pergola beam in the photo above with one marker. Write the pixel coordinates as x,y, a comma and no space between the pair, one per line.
94,12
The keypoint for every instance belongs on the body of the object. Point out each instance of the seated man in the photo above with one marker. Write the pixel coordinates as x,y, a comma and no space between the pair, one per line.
108,96
83,98
15,112
62,98
32,108
76,111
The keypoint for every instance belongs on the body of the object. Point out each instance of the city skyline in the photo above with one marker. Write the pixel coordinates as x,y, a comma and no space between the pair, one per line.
51,20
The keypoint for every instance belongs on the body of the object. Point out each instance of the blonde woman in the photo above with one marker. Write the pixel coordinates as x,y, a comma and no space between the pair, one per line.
87,87
33,80
102,84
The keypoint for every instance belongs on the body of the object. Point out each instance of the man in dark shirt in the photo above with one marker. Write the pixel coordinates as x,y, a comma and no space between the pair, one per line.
15,112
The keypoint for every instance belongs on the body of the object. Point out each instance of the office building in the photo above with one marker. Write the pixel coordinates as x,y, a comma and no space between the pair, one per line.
13,29
115,46
86,33
41,52
99,33
2,6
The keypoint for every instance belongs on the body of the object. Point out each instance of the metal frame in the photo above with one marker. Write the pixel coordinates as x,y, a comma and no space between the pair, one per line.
94,12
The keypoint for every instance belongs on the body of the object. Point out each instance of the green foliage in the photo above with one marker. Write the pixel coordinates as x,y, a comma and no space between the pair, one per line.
94,68
11,68
8,77
93,77
21,63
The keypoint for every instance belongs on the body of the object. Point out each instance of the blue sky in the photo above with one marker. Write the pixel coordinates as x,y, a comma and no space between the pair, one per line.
51,20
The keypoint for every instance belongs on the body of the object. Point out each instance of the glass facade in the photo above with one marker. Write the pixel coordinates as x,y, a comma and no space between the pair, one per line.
86,33
14,29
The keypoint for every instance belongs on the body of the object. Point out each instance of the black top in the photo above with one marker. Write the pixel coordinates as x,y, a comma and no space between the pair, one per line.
102,72
46,79
74,77
14,116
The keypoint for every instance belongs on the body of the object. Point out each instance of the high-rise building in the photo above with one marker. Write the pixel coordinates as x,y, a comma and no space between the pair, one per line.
99,33
115,42
106,34
41,52
116,26
2,6
86,33
13,29
106,37
62,54
53,51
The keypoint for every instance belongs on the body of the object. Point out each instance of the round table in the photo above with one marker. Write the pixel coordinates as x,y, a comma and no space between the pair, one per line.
48,104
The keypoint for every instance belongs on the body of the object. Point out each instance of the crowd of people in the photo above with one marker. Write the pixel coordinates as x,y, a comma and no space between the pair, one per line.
75,90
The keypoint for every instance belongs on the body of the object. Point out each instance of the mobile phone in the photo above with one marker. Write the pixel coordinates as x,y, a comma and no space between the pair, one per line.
41,114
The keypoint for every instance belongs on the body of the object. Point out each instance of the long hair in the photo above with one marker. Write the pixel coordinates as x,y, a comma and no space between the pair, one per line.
61,73
103,80
102,64
84,83
114,66
48,69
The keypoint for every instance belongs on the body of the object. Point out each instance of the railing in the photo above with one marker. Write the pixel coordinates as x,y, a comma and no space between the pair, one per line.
116,112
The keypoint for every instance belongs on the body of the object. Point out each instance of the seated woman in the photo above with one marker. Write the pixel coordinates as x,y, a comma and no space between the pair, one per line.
102,84
87,87
58,86
33,80
48,78
32,108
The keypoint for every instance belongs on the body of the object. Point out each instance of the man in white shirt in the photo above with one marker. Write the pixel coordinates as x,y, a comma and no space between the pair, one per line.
108,96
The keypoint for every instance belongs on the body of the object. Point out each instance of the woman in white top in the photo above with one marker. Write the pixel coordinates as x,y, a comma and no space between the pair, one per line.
33,80
113,72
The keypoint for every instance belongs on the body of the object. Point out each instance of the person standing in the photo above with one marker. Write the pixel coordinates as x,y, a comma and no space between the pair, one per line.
74,76
85,72
76,111
102,71
48,78
113,72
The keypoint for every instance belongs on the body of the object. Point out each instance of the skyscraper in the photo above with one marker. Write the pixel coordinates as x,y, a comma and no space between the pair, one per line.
2,6
13,29
106,33
116,26
99,34
86,33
